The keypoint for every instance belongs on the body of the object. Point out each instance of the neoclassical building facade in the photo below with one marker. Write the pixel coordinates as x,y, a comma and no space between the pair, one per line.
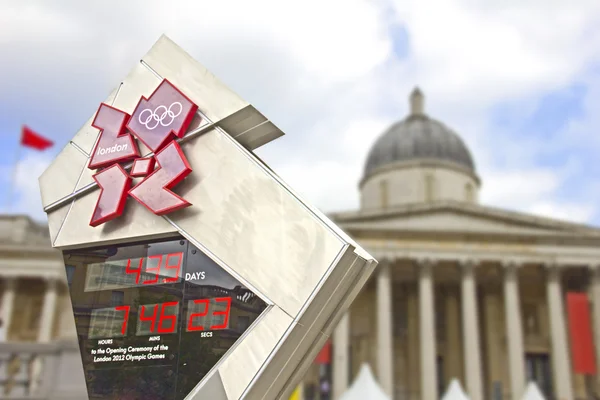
463,291
39,355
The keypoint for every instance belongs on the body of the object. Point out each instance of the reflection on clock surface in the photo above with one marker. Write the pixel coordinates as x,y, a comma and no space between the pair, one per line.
153,318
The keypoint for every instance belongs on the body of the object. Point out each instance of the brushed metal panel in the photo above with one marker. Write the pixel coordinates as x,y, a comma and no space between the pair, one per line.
212,389
60,178
139,82
331,291
360,281
309,327
326,220
135,223
270,371
249,221
259,135
86,178
242,120
240,367
86,137
302,368
56,219
213,98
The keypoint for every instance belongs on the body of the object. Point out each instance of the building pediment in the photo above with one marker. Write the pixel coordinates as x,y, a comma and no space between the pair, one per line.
454,217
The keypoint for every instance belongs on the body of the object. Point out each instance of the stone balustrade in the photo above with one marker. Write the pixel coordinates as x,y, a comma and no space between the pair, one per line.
41,371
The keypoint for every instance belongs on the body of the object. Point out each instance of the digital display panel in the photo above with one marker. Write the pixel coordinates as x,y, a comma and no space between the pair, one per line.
134,272
153,318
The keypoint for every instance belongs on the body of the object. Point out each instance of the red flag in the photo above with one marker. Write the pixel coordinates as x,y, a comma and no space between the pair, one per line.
32,139
582,342
324,356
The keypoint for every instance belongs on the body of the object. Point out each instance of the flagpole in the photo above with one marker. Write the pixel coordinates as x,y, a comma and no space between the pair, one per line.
13,181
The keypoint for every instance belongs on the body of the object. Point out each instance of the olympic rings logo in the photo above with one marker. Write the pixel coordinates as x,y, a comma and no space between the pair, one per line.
160,116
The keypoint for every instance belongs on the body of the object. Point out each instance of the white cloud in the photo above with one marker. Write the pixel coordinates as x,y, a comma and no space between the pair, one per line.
475,55
25,194
565,211
518,188
326,74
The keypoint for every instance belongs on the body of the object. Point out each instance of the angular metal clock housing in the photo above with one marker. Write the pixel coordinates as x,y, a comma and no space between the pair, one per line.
247,221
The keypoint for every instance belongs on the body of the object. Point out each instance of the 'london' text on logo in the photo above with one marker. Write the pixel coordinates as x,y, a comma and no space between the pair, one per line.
117,148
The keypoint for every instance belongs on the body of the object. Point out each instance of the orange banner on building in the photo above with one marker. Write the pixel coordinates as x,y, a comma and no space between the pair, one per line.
324,356
580,329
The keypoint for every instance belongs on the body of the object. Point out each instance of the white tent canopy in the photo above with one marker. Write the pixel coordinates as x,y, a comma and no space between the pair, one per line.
533,392
365,387
455,391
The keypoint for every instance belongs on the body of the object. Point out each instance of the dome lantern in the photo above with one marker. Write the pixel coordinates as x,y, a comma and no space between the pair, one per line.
417,102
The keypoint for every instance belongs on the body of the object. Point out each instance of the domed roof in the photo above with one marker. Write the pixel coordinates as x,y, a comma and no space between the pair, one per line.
418,137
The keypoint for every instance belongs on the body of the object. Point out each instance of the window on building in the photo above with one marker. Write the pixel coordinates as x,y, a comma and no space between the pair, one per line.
70,272
400,320
118,298
538,369
350,364
429,187
440,318
383,193
469,193
441,382
310,392
35,308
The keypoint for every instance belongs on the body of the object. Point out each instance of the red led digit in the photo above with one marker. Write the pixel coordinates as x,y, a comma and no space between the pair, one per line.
125,317
154,269
225,323
163,318
176,267
151,319
191,327
137,271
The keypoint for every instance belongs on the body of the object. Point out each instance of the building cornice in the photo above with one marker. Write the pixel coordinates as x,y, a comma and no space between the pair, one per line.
464,208
421,163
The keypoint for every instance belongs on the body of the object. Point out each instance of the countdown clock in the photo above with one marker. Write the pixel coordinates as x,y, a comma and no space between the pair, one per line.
153,318
196,272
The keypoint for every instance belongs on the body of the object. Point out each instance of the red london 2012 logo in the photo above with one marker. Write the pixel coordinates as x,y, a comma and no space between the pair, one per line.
156,122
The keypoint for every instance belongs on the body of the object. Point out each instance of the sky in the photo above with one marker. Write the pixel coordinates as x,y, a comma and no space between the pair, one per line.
519,81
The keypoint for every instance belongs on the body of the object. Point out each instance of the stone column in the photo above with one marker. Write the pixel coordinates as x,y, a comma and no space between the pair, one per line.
560,352
514,330
7,306
385,343
414,360
341,342
67,329
470,319
453,361
429,384
594,294
496,350
48,311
